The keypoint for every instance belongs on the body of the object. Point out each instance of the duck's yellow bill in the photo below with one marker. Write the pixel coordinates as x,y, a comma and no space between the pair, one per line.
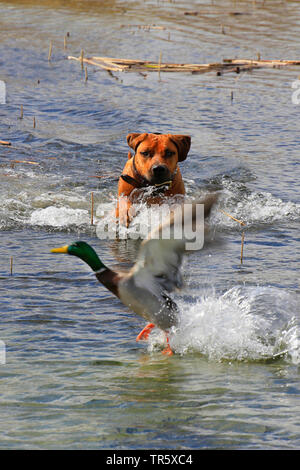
62,249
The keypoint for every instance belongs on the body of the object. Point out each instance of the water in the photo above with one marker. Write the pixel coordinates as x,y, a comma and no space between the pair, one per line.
74,376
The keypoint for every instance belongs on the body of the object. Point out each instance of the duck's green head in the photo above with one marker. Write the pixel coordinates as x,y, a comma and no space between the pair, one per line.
83,251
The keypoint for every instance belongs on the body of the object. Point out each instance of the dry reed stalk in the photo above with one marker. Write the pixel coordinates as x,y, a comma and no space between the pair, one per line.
243,233
159,65
25,161
122,61
233,218
86,74
5,142
262,63
11,265
34,122
92,62
120,65
81,59
92,208
137,65
50,51
112,66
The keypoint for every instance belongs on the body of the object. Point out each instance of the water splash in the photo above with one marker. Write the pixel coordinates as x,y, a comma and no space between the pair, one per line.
243,324
253,208
59,217
24,191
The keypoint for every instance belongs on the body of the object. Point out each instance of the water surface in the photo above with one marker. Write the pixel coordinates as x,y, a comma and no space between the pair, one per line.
74,376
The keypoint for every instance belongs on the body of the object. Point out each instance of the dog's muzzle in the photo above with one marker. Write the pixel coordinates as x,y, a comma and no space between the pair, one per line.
160,175
162,178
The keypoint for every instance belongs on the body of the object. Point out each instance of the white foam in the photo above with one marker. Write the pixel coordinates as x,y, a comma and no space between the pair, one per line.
243,324
253,208
67,199
59,217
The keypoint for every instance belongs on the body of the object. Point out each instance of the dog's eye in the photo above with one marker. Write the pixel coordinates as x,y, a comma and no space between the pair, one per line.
169,153
146,153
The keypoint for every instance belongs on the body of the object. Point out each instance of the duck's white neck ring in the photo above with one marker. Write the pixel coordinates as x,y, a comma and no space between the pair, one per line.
101,270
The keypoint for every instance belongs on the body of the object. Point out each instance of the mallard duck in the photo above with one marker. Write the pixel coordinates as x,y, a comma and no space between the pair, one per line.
157,271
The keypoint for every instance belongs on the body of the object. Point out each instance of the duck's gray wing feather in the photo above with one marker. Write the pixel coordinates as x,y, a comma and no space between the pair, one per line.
160,259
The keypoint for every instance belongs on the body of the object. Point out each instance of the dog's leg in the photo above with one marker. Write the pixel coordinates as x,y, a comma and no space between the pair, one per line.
122,211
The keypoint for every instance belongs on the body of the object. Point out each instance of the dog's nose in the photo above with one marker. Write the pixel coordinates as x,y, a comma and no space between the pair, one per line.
159,171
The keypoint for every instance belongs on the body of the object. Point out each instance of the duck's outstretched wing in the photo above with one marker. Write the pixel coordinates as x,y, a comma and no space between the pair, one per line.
158,266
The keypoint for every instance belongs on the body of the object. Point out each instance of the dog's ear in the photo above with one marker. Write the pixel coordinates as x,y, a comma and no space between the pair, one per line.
183,144
134,139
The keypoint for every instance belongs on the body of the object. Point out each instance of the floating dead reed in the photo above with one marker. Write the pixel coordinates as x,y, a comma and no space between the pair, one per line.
228,65
28,162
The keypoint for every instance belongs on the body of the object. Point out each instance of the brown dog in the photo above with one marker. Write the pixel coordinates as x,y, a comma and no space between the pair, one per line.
154,165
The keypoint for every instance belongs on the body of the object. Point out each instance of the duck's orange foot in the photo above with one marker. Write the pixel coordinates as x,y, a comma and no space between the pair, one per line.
144,334
168,351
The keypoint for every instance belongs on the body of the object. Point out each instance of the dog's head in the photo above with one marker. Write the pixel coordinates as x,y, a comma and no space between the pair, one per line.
157,155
